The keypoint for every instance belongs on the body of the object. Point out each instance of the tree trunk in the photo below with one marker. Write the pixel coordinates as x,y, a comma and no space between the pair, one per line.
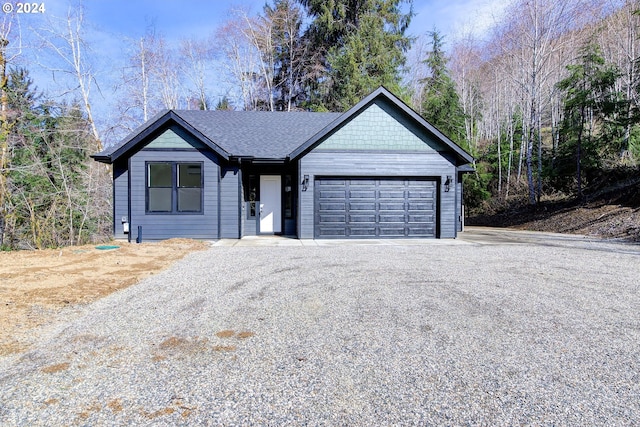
539,128
579,154
4,137
532,122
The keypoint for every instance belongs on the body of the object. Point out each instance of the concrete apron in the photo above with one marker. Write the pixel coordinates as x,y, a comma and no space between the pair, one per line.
257,241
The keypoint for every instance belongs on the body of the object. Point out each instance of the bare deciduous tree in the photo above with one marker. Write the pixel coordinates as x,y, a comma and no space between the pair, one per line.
196,56
239,63
65,38
10,48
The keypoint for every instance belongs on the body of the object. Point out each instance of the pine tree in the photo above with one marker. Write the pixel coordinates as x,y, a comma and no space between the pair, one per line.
590,104
441,104
358,45
51,183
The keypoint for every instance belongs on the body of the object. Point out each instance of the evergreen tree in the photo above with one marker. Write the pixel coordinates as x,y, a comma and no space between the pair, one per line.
358,46
590,109
441,104
50,187
224,104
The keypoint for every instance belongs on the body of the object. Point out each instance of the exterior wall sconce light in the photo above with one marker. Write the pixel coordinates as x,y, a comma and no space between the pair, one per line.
447,184
305,183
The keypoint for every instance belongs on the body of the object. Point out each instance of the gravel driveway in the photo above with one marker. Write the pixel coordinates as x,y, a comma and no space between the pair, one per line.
477,331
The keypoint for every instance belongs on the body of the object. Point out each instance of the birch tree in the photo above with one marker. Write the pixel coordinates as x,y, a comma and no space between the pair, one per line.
195,64
531,37
239,61
66,40
10,49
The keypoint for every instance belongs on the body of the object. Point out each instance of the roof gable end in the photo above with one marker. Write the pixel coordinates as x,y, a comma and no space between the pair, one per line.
383,96
152,129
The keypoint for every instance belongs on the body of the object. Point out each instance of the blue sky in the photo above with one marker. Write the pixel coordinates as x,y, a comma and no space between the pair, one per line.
179,19
114,25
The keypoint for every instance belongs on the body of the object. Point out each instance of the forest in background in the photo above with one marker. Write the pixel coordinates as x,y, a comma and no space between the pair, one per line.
546,100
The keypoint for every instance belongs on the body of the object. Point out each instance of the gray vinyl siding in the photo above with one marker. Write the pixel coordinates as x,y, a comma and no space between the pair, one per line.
120,197
250,224
376,164
164,226
230,201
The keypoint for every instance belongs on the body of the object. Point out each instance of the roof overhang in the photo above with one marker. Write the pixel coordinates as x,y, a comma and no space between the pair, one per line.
262,160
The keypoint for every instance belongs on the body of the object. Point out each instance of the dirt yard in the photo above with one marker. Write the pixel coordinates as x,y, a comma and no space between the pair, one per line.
35,286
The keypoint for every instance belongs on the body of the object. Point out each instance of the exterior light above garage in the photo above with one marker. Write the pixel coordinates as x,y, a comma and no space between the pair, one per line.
305,183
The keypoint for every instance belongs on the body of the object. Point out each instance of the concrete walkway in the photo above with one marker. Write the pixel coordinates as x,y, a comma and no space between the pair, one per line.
480,236
261,241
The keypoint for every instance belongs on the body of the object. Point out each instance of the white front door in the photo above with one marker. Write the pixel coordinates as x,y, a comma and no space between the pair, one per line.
270,204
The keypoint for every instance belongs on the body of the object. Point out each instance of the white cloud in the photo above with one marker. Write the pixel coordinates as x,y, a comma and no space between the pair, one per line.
456,17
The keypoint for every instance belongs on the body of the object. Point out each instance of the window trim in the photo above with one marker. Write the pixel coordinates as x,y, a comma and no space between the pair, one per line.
174,188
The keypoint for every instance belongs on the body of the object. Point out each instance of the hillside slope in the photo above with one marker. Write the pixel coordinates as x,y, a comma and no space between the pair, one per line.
610,213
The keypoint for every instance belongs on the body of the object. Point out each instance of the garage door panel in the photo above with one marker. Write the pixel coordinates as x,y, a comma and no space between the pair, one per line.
362,194
391,194
334,232
333,206
362,183
334,182
362,232
360,206
332,194
420,218
333,218
375,208
425,194
392,231
420,231
393,218
422,205
362,218
391,182
391,206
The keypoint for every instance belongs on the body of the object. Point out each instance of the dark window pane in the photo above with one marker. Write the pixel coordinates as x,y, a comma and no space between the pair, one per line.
160,175
160,199
189,175
189,199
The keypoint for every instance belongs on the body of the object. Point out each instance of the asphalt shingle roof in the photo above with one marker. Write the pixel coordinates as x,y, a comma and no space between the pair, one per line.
259,134
266,135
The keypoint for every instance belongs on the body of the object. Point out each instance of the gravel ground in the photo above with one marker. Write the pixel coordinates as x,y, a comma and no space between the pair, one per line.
465,333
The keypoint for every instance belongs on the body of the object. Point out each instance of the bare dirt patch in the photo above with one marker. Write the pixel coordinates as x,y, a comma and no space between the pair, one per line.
58,367
613,213
36,285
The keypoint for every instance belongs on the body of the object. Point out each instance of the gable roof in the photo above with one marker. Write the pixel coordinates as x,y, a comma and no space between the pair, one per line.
150,128
382,92
264,135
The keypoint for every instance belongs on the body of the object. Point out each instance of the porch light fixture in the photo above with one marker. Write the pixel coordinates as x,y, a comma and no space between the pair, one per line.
447,184
305,183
